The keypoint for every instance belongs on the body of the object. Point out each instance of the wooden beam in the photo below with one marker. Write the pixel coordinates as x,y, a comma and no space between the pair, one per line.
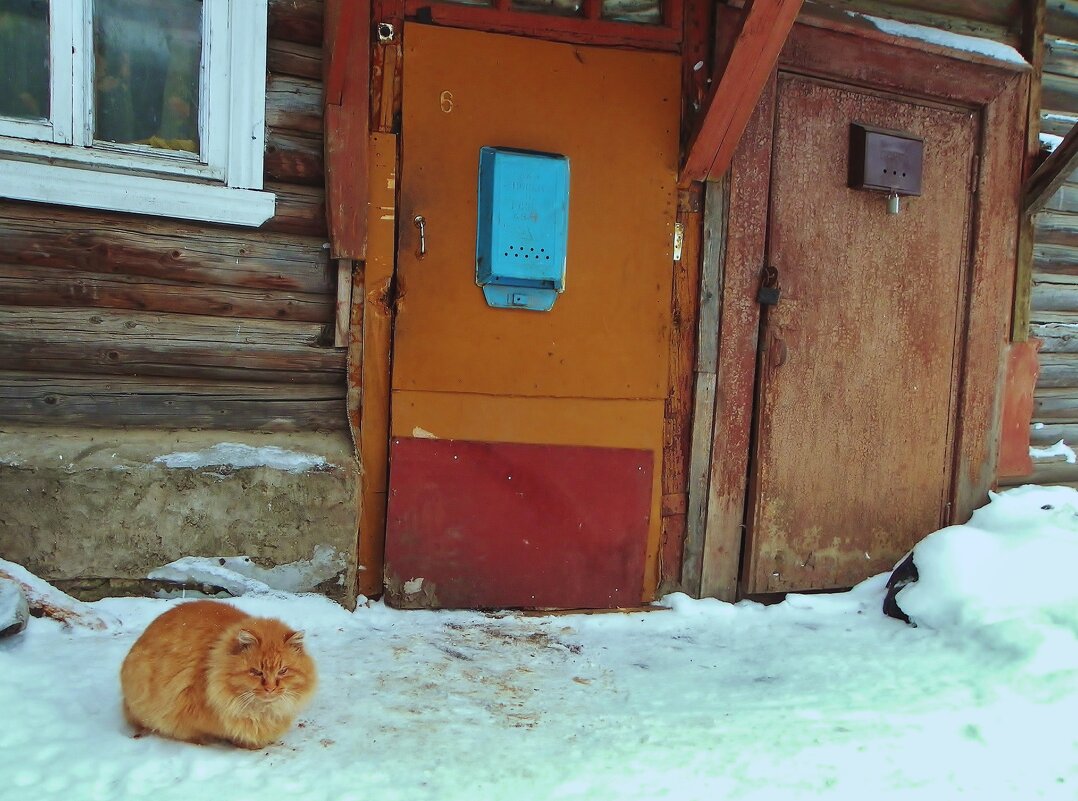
765,24
346,125
1033,22
341,51
1051,174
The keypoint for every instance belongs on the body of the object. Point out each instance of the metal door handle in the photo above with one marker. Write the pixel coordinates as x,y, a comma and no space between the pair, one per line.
421,223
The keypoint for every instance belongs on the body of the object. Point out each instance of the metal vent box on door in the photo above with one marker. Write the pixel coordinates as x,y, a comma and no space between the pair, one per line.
885,161
523,227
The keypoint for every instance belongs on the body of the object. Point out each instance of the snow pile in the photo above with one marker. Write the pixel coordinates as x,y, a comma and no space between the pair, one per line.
937,36
237,455
1006,577
241,576
45,599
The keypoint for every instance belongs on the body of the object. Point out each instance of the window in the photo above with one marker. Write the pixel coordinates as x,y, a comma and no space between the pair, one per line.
146,106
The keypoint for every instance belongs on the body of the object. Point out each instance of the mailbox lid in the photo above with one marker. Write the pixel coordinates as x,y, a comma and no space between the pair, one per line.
523,218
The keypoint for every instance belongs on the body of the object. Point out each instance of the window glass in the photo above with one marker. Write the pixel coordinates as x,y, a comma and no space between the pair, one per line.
24,59
646,12
563,8
146,72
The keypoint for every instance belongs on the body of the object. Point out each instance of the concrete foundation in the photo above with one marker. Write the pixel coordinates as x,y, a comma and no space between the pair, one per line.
94,508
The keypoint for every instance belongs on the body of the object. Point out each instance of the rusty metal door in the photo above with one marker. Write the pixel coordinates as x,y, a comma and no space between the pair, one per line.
860,360
585,382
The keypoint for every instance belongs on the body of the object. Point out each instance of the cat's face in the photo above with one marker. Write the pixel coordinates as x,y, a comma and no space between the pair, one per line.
267,665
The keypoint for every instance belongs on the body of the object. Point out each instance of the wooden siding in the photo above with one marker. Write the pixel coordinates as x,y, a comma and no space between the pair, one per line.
1054,296
124,320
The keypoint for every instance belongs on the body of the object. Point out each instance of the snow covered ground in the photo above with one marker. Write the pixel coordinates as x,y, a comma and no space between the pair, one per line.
820,697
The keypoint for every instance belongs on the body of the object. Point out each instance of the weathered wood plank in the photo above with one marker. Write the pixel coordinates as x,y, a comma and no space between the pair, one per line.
343,313
31,286
292,58
139,343
677,422
294,104
296,21
169,250
374,368
294,158
116,402
713,256
300,210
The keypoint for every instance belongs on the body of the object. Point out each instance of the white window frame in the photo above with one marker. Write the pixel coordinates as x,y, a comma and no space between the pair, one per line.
57,161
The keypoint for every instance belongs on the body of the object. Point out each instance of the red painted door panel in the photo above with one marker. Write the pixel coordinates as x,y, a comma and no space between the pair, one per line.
491,524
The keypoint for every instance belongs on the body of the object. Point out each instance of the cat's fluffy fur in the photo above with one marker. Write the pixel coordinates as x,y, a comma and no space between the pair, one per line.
206,671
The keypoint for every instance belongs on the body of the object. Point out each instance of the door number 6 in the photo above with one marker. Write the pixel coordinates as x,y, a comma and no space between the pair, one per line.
445,101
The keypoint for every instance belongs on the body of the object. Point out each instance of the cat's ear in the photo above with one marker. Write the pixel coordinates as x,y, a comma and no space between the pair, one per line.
244,640
295,639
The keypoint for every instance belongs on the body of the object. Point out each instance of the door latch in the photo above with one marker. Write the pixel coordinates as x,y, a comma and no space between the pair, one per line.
769,292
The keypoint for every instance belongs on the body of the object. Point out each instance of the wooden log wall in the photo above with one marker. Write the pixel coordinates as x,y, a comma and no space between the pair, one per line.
121,320
1054,298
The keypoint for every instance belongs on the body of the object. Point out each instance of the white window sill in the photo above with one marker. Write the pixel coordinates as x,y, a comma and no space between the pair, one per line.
136,194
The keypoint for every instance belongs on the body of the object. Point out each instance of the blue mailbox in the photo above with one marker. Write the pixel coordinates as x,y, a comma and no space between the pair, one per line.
523,226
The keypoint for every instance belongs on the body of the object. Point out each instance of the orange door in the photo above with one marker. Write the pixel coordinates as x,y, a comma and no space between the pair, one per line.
589,374
860,359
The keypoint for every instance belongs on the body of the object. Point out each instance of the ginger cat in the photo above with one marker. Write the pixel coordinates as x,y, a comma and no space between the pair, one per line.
205,670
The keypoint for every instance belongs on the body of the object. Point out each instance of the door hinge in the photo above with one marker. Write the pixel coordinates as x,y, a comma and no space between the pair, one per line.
679,240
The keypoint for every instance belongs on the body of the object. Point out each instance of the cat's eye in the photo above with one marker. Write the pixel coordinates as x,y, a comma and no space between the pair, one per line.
255,672
282,671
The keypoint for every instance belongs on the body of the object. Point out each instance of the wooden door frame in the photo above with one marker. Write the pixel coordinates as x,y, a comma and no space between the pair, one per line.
857,56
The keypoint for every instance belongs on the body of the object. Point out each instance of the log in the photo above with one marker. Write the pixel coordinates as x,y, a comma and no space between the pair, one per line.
1056,123
1056,406
1059,93
139,343
1058,336
1060,56
294,104
119,402
300,210
31,286
294,158
1042,436
1055,260
1059,370
1056,228
1063,19
297,60
296,21
173,251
